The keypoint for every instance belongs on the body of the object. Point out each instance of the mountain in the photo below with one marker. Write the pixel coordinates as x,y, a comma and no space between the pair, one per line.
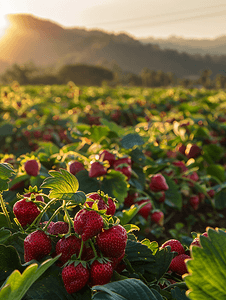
46,43
215,46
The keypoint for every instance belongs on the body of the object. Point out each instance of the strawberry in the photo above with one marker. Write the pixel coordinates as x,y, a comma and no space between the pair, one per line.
68,246
116,260
145,210
32,167
123,160
178,264
100,273
161,196
193,152
182,149
175,246
111,207
211,193
97,169
130,199
124,169
158,217
194,202
25,211
59,227
112,242
88,224
158,183
180,165
75,277
75,167
196,241
37,245
37,197
106,155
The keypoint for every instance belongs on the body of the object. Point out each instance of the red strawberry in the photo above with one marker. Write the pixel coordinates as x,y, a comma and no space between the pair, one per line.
37,197
130,199
181,165
193,152
175,246
25,211
196,241
111,207
126,170
123,160
211,193
75,277
178,265
106,155
161,197
116,260
201,197
37,245
75,167
158,217
182,149
59,227
88,224
194,202
158,183
145,210
32,167
100,273
97,169
68,246
112,242
100,202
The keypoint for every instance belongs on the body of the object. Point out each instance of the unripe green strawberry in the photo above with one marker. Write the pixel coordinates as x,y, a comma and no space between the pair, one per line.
25,211
37,245
100,273
112,242
178,264
68,246
75,277
32,167
175,246
88,224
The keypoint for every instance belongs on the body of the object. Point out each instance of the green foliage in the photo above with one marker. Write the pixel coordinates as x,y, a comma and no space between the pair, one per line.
207,276
5,173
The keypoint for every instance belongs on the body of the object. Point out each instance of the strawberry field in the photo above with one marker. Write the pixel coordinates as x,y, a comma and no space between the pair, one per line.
112,193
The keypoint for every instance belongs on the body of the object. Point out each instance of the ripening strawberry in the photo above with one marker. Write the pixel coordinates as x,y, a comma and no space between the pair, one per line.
178,265
146,209
37,245
106,155
75,277
100,273
75,167
32,167
25,211
97,169
158,217
158,183
112,242
59,227
88,224
126,170
175,246
68,246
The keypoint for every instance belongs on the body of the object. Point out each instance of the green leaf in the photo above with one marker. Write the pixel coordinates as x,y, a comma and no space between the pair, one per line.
5,173
130,227
9,258
173,196
63,186
131,140
113,127
4,234
127,289
128,214
217,171
220,197
98,132
179,294
207,278
18,284
6,129
3,220
86,183
115,185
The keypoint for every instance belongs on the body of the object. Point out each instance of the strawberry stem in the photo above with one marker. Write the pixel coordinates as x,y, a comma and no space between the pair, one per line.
70,222
5,211
81,249
51,218
94,250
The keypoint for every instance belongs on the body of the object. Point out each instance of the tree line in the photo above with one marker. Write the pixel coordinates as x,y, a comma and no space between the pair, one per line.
88,75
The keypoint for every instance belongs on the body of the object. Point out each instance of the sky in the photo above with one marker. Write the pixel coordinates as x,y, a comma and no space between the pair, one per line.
138,18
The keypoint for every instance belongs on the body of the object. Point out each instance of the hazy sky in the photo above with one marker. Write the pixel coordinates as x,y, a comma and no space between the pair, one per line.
139,18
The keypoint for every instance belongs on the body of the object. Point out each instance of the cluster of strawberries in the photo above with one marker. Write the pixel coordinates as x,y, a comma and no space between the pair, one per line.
89,254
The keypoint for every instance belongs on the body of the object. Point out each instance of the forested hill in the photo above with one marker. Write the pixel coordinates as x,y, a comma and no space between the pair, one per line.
29,38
